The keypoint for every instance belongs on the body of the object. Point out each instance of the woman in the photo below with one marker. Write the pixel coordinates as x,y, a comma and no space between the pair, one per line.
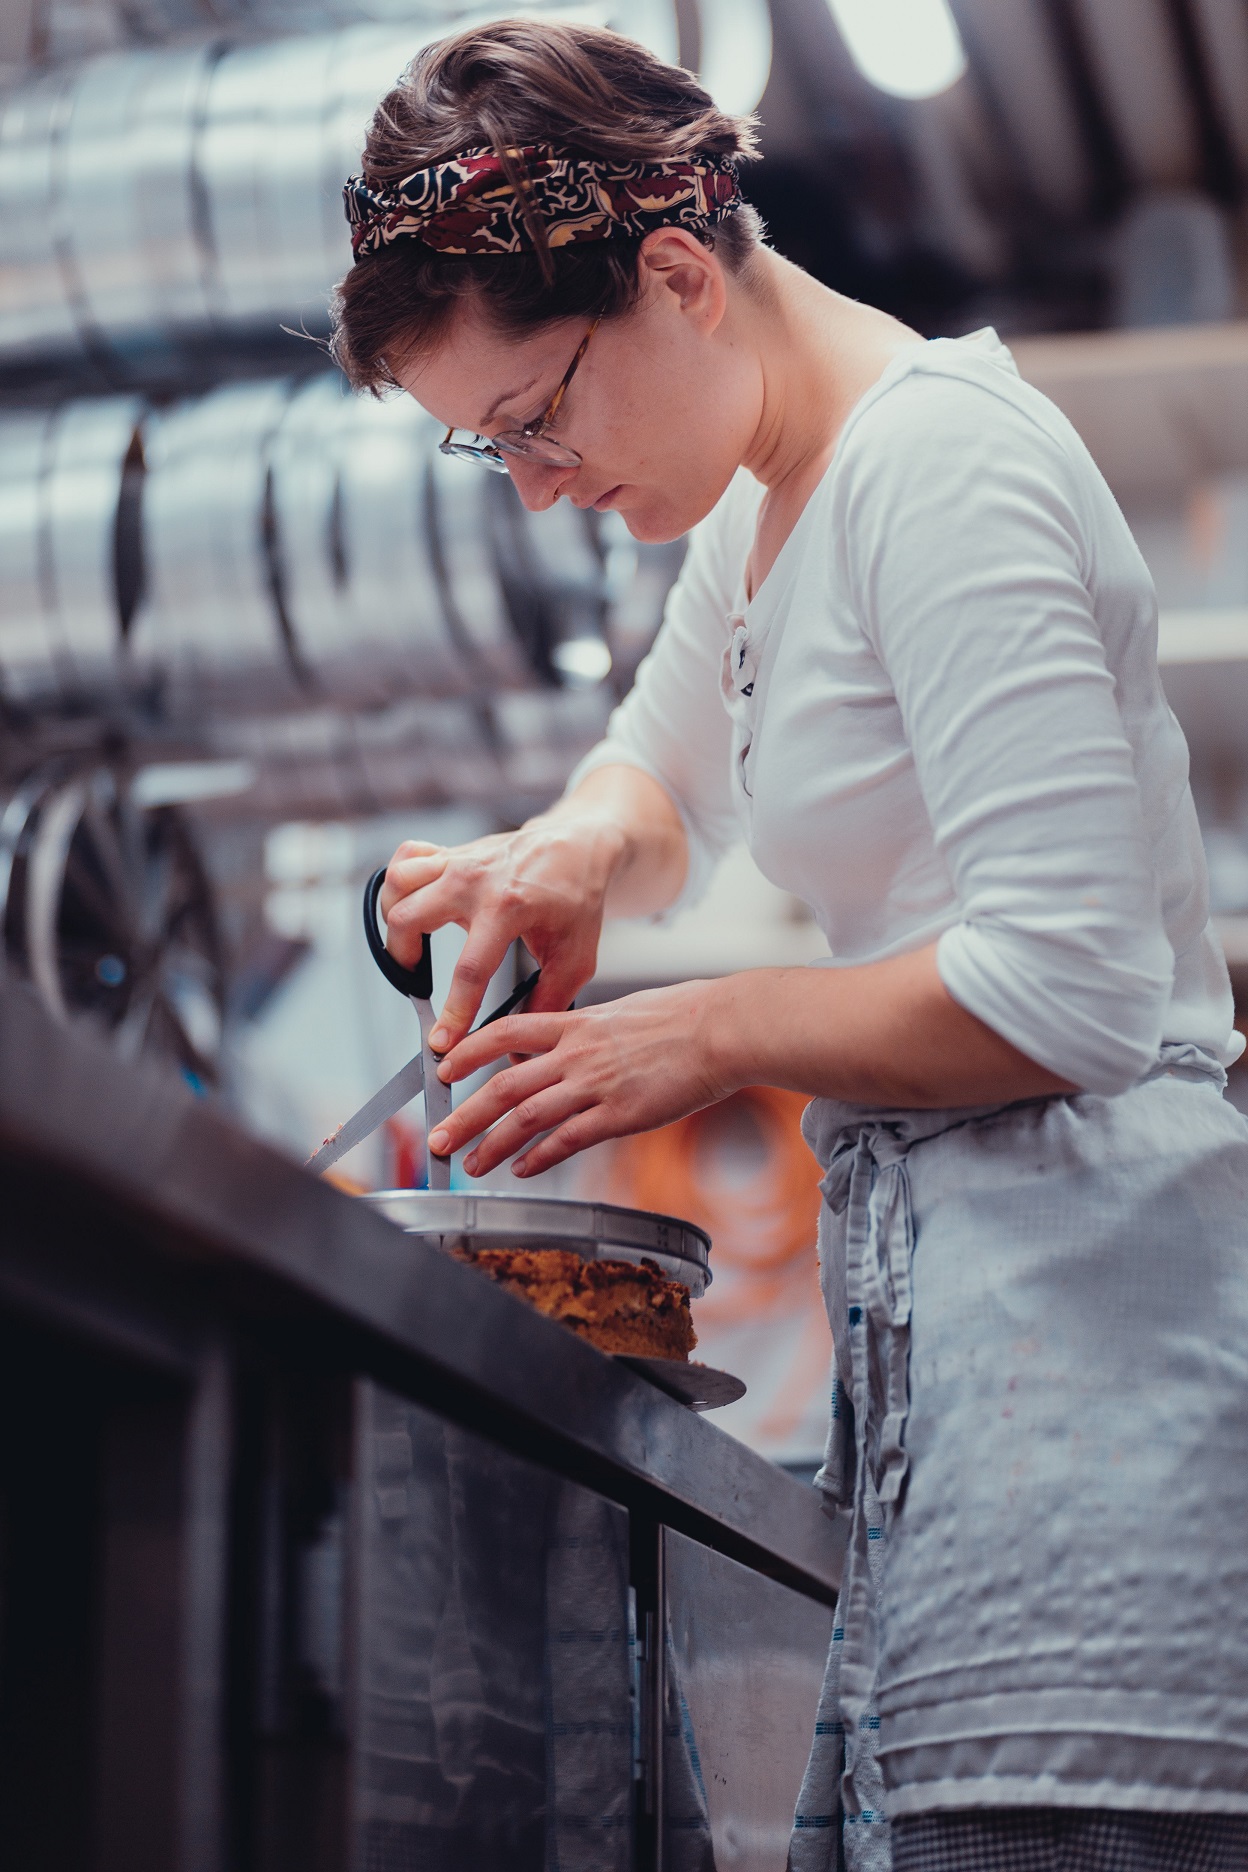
912,659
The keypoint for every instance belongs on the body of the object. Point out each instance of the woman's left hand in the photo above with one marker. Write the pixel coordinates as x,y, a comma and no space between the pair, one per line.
582,1077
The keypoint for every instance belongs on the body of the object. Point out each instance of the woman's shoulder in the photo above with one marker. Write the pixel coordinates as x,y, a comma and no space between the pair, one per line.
944,391
955,413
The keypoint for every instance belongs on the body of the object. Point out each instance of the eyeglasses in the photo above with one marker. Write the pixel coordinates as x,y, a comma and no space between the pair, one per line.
530,443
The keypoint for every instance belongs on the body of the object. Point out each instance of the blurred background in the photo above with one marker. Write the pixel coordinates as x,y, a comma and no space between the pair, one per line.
254,630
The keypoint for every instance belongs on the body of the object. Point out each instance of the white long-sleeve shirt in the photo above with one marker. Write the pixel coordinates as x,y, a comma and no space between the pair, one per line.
940,719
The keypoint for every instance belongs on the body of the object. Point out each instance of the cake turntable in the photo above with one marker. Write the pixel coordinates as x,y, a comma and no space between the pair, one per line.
457,1221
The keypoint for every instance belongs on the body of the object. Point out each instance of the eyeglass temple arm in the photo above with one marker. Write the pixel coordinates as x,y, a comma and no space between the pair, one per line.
552,408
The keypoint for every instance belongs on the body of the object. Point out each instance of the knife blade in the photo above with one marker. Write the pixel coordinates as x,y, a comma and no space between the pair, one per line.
393,1096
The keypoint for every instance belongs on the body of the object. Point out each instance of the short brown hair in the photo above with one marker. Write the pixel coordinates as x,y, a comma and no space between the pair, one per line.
504,85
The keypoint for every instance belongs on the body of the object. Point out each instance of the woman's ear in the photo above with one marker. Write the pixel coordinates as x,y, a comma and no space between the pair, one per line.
676,262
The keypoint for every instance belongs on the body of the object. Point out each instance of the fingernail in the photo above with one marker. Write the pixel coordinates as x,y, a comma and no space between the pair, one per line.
439,1142
438,1039
470,1164
444,1072
519,1169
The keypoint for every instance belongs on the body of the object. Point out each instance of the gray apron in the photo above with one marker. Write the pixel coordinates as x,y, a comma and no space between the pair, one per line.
1041,1320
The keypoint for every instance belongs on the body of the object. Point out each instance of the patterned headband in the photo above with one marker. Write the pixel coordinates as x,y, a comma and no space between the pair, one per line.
467,205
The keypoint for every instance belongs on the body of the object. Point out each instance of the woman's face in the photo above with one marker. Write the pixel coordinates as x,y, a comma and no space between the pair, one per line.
662,408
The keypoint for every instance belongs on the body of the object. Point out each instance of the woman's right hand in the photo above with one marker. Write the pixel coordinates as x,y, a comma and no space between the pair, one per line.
545,884
617,842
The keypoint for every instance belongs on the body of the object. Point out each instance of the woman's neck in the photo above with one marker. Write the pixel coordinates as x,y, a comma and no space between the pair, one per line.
819,353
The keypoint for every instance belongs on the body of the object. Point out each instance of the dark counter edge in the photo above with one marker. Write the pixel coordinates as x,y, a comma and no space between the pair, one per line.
181,1202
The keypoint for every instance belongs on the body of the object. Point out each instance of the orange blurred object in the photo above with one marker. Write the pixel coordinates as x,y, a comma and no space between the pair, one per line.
342,1181
742,1171
407,1154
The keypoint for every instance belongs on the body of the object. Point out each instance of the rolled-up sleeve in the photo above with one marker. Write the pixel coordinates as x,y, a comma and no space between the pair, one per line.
967,553
673,724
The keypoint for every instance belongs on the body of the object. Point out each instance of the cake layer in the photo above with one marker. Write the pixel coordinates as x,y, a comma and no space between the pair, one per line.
619,1306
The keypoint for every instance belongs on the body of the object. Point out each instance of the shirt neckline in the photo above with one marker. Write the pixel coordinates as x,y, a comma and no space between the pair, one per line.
899,366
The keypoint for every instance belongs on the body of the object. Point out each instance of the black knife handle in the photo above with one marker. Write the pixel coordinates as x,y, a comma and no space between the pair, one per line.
416,981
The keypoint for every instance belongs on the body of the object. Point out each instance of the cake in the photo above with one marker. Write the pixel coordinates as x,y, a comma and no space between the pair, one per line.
619,1306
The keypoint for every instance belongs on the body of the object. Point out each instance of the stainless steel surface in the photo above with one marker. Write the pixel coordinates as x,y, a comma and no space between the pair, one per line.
292,558
60,478
209,1212
154,195
208,628
304,462
744,1662
36,315
173,274
87,451
459,496
101,236
27,661
701,1387
260,159
392,1097
383,453
598,1231
491,1614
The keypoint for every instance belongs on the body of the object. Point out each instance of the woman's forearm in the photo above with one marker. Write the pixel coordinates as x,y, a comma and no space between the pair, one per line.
887,1033
632,826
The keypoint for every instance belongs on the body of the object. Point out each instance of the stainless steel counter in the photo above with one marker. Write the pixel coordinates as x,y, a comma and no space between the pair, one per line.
262,1238
293,1348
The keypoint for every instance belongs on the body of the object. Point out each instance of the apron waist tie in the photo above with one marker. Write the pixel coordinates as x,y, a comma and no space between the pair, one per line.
868,1182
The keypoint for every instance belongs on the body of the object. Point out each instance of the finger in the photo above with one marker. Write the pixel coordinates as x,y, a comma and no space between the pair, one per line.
533,1115
405,874
418,914
561,981
482,956
585,1128
491,1102
522,1034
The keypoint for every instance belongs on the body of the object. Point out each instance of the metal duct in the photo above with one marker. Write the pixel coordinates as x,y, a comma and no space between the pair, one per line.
36,315
60,479
383,557
156,198
208,631
476,606
25,643
274,544
90,443
283,125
